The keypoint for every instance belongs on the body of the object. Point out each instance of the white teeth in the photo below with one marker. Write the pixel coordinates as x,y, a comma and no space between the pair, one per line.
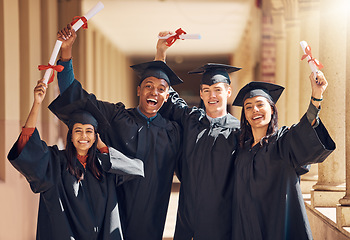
256,117
83,141
212,102
152,100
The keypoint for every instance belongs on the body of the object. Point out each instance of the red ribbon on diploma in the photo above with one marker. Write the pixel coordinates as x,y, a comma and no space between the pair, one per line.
309,54
57,68
76,19
170,41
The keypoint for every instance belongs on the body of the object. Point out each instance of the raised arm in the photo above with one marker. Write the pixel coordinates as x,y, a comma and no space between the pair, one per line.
65,78
161,47
318,87
39,95
301,143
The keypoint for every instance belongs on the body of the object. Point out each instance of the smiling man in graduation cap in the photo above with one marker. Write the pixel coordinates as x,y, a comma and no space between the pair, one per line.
139,132
209,141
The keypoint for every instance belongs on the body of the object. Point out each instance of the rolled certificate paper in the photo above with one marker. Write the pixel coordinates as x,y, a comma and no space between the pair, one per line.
81,21
313,62
179,34
182,36
54,54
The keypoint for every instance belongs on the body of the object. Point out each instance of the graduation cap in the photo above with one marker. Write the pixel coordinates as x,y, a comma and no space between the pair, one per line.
215,73
253,89
157,69
83,111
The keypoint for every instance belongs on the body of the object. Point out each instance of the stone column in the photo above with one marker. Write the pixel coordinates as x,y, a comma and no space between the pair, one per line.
330,186
343,210
277,13
49,22
67,10
309,12
293,58
29,26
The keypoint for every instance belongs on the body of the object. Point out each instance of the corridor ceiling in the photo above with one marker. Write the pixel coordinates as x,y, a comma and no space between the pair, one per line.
133,25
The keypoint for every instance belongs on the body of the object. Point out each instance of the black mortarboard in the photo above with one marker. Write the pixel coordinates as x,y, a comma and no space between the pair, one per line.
157,69
83,111
253,89
215,73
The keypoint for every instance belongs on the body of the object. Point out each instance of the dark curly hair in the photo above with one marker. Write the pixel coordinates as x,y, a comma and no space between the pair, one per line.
246,129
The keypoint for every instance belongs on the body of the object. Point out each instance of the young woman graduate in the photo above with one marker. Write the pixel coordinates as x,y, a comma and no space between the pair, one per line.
267,200
78,198
139,132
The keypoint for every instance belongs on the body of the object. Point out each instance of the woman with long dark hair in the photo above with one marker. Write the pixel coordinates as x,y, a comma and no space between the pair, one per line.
78,197
267,200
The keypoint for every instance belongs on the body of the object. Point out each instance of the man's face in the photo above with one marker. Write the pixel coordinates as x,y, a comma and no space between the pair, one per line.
215,98
153,92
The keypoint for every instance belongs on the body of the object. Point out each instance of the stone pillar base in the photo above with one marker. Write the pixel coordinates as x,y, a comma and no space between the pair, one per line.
343,216
306,185
325,198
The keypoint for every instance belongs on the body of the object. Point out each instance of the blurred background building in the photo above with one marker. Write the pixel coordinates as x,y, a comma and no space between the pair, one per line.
261,36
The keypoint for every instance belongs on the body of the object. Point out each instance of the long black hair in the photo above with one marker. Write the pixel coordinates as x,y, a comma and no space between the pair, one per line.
246,129
91,162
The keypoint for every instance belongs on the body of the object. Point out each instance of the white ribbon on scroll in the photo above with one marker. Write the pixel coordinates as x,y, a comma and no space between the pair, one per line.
98,7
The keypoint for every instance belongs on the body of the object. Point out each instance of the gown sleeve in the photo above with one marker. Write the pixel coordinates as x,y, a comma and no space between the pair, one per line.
302,144
176,109
66,76
75,94
24,138
126,168
37,162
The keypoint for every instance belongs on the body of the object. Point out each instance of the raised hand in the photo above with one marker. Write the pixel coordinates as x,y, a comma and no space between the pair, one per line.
162,46
318,87
40,92
67,36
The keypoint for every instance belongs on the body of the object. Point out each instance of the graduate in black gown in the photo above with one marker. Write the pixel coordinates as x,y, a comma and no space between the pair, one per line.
78,198
138,132
267,200
206,166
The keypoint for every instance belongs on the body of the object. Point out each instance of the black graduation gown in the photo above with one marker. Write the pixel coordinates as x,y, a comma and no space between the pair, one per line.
143,202
69,209
267,200
205,170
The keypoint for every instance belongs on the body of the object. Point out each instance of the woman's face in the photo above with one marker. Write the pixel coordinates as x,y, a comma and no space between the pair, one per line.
83,137
258,112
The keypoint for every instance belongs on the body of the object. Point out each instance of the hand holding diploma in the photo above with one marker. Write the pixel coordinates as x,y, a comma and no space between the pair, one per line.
76,24
167,38
313,62
179,34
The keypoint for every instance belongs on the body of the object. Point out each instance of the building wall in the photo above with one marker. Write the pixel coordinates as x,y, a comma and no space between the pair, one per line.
27,35
325,26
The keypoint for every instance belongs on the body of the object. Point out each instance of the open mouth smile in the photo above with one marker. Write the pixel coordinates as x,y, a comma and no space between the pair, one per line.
152,102
257,117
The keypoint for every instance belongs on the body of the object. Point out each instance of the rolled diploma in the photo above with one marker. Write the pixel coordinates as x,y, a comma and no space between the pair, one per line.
183,36
312,65
98,7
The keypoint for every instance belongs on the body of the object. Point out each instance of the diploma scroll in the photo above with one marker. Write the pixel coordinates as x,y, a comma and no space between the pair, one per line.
182,36
313,63
98,7
179,34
